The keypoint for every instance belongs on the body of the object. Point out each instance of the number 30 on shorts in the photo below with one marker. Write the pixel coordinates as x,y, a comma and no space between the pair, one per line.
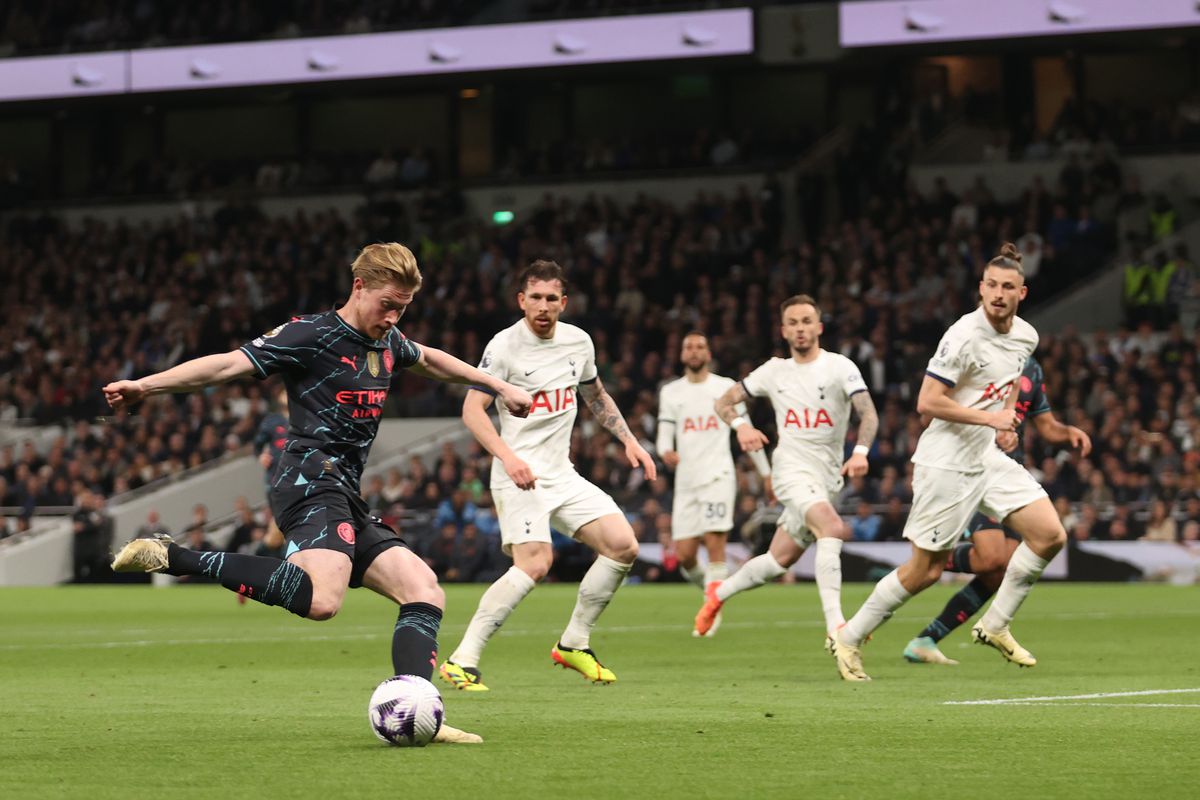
714,510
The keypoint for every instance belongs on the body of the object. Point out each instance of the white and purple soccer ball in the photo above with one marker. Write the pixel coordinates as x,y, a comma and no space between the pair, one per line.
406,711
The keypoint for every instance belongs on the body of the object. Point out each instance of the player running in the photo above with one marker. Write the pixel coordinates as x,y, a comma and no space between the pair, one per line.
968,391
694,441
269,441
812,393
990,546
534,483
337,367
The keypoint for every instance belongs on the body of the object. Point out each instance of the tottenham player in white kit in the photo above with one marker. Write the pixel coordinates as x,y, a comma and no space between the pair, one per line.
969,391
534,483
694,441
812,394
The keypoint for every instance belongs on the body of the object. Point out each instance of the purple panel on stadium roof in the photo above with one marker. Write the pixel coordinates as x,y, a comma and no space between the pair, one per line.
891,22
63,76
484,48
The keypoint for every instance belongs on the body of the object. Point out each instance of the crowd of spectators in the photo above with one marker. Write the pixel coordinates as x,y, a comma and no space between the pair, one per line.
702,148
1082,127
888,279
416,167
62,26
50,26
539,9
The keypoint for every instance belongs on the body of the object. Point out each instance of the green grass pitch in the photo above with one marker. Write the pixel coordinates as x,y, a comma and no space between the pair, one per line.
129,692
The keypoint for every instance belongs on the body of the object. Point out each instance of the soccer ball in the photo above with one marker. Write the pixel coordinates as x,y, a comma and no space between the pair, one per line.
406,711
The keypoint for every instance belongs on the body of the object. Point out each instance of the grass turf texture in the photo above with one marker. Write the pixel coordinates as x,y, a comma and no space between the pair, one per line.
141,692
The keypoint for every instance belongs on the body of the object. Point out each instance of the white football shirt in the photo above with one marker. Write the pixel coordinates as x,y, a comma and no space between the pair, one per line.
550,370
701,437
980,364
812,407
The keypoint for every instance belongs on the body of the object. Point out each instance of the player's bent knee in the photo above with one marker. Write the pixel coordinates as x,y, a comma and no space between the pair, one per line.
323,608
1048,543
930,575
625,552
787,558
426,592
1058,541
992,562
536,570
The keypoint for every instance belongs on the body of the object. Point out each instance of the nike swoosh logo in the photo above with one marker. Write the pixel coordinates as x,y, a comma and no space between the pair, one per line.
529,372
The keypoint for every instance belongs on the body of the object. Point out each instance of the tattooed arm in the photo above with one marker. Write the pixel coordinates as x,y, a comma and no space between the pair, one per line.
868,425
605,410
749,437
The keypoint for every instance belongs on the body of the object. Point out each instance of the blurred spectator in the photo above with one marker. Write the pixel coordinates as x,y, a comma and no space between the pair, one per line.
245,524
93,537
152,526
891,524
1160,527
440,554
865,524
470,559
456,510
197,539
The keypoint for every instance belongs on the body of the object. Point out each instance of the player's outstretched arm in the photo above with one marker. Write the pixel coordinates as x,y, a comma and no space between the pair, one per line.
1050,429
868,425
185,377
605,410
749,437
441,366
935,401
476,418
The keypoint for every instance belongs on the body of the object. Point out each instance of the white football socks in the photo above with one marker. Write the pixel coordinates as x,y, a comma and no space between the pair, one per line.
828,567
693,574
754,573
494,607
595,590
716,571
888,595
1023,571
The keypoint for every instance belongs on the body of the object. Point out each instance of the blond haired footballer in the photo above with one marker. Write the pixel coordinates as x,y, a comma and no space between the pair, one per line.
337,366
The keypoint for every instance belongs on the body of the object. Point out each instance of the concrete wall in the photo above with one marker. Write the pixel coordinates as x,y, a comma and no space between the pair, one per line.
217,487
41,559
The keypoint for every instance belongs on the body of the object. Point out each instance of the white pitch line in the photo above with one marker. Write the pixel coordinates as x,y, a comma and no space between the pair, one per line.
1056,698
1113,705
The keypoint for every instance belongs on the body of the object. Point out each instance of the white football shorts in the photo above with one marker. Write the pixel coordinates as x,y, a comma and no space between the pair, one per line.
944,500
799,491
700,509
567,503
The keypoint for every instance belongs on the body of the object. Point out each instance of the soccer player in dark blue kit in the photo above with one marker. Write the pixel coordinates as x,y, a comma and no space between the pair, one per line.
269,441
337,367
271,435
991,545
